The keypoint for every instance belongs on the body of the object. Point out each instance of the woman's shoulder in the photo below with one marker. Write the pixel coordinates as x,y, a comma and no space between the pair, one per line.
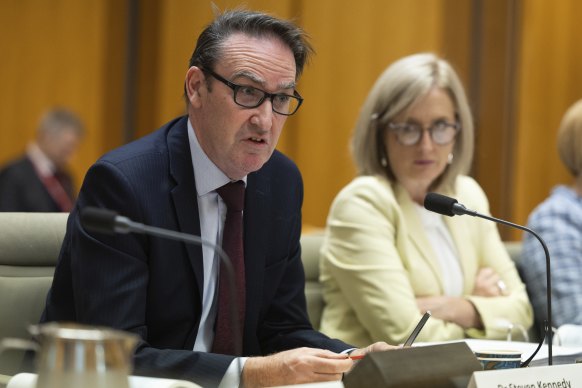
465,183
368,185
470,193
365,191
365,197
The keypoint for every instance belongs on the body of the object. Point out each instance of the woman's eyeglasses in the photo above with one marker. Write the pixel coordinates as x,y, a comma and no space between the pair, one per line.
441,132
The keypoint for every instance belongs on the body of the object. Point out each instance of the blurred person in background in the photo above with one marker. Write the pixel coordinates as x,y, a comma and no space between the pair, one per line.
558,220
385,259
39,180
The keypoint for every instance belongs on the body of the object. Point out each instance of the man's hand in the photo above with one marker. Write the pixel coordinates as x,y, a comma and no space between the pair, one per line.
297,366
375,347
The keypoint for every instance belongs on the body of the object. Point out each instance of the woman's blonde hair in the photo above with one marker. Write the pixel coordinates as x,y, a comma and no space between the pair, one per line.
401,84
570,139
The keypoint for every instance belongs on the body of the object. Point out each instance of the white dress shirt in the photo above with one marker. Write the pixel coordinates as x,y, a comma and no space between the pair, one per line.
42,164
212,213
446,253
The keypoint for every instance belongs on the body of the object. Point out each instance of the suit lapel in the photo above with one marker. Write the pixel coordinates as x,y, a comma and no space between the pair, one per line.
184,194
256,222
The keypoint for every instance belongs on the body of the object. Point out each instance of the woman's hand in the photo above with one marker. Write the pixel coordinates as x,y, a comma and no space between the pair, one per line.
488,283
451,309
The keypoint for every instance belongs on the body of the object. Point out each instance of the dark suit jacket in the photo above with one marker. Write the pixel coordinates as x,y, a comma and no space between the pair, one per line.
153,286
21,190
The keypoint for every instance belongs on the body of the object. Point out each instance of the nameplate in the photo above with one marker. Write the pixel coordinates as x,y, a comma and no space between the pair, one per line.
553,376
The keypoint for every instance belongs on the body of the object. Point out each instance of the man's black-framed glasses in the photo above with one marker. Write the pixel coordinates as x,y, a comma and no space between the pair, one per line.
251,97
441,132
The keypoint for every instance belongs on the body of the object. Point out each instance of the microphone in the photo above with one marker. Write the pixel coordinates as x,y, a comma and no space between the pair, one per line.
448,206
109,222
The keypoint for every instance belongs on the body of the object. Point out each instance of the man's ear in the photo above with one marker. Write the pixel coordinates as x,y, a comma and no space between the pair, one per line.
195,81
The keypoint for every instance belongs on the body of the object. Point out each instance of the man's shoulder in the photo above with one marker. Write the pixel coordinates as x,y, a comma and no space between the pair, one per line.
279,178
280,164
563,205
148,146
17,167
280,158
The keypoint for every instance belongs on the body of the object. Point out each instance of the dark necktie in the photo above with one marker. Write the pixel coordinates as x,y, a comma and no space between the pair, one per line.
233,195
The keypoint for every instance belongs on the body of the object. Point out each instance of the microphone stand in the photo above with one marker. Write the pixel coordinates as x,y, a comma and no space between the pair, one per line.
460,210
107,221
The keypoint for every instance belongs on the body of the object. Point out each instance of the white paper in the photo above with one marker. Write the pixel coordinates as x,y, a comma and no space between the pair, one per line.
22,380
526,348
567,376
151,382
568,336
329,384
28,380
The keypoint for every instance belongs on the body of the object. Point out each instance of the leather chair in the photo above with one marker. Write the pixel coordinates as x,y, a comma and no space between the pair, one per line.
310,245
29,248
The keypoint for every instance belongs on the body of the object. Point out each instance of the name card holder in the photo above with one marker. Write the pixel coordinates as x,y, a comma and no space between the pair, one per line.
448,365
552,376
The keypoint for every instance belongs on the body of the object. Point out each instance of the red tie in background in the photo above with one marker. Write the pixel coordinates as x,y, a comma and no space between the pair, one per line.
233,195
57,191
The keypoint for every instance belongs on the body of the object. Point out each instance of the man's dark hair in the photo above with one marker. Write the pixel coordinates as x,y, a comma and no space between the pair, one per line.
256,24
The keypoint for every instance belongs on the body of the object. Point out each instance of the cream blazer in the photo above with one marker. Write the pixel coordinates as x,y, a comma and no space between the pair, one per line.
376,259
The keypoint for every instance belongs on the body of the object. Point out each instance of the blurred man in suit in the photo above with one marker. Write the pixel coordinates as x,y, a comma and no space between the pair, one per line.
240,88
39,180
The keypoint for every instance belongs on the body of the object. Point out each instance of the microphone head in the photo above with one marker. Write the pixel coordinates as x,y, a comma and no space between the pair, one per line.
439,203
98,220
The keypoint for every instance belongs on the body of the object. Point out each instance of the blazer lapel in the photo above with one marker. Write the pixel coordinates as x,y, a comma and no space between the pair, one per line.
416,234
184,194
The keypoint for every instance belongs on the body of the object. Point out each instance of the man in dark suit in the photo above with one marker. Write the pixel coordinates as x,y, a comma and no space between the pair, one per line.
240,88
39,181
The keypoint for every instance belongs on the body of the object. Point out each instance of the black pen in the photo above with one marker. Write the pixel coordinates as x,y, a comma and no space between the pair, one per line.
416,330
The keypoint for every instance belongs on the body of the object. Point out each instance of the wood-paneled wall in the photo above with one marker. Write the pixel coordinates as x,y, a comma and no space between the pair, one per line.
355,42
67,53
519,60
549,81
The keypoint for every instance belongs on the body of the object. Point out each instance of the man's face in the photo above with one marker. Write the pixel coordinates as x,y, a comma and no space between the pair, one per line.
60,146
240,140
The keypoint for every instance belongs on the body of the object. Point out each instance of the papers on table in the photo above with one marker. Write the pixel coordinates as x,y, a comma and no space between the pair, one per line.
560,354
28,380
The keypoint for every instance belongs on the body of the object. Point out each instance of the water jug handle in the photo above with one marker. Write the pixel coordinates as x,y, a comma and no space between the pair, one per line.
18,344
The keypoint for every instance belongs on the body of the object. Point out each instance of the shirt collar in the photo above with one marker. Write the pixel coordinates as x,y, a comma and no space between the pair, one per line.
207,175
43,165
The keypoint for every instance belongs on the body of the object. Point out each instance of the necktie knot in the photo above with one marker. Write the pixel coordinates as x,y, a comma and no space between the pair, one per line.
233,195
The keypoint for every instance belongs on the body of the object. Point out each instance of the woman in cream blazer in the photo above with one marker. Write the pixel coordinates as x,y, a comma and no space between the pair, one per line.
385,259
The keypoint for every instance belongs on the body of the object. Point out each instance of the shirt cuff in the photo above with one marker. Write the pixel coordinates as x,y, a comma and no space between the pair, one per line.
233,376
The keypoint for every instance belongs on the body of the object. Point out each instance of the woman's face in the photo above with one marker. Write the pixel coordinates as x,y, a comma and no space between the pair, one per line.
417,166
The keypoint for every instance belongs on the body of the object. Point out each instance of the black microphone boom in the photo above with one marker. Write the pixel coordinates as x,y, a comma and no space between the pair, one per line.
107,221
448,206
